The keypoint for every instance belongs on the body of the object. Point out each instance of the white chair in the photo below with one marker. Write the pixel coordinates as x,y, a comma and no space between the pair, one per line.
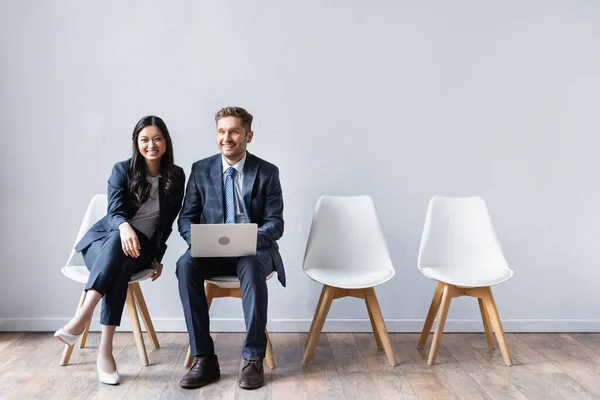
75,269
229,286
460,250
347,253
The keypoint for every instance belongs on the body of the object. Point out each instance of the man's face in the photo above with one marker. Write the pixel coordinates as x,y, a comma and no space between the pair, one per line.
232,138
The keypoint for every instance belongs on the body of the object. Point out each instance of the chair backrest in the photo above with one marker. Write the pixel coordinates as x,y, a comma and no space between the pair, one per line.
458,232
346,234
95,211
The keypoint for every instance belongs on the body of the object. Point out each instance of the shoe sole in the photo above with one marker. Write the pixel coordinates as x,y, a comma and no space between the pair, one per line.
109,383
196,385
247,386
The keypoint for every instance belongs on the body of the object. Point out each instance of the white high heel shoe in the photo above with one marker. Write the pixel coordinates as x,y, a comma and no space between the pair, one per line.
65,337
109,379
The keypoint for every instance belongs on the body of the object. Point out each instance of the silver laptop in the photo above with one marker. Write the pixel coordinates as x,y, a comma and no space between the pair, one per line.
224,240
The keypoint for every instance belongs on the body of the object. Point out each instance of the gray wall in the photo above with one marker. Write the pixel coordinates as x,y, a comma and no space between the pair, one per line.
399,100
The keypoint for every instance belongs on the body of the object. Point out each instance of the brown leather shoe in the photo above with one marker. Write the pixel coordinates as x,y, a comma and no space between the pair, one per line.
204,371
252,374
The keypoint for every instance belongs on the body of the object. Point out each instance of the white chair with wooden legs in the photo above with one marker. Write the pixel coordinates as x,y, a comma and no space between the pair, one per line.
460,250
347,253
229,286
76,270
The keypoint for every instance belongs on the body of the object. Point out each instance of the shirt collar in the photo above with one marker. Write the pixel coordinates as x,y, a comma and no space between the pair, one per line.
239,166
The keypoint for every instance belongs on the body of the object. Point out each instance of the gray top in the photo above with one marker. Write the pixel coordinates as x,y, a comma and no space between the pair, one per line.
146,218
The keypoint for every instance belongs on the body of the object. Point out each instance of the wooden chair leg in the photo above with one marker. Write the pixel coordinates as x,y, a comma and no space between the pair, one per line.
143,309
320,320
373,325
439,329
188,358
488,301
312,324
66,355
373,304
487,327
433,309
269,354
135,326
210,293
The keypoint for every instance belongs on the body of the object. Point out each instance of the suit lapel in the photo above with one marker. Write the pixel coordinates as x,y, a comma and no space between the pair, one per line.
216,174
250,171
162,203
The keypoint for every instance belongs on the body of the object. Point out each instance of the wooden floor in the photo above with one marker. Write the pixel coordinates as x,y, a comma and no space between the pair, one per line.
345,366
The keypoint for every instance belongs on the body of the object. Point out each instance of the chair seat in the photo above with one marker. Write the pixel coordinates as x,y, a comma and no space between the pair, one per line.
81,274
468,277
350,278
229,281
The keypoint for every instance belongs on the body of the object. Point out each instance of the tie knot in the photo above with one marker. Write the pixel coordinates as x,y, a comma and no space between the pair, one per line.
230,172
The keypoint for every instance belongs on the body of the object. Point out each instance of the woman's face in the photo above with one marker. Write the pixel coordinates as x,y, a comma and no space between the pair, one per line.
151,143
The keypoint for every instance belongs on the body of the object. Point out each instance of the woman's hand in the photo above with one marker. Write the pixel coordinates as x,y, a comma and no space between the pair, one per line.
157,267
129,240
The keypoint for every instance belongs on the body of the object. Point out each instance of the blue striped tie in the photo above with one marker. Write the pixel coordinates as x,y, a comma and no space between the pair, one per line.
229,196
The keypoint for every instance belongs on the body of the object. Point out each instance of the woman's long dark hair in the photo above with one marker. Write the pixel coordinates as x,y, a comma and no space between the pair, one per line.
139,187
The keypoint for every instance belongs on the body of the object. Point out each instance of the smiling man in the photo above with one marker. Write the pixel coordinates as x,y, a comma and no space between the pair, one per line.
232,187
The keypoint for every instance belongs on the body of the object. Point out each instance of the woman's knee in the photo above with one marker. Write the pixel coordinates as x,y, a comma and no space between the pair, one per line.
111,252
113,241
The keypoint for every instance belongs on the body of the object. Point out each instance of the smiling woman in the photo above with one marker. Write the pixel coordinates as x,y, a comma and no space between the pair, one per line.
144,197
152,154
151,145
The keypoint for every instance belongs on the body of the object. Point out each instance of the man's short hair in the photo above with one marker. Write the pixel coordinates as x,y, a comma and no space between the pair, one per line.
239,112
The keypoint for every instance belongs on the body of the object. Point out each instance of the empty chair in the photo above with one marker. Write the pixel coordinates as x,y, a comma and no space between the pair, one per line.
76,270
347,253
460,250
